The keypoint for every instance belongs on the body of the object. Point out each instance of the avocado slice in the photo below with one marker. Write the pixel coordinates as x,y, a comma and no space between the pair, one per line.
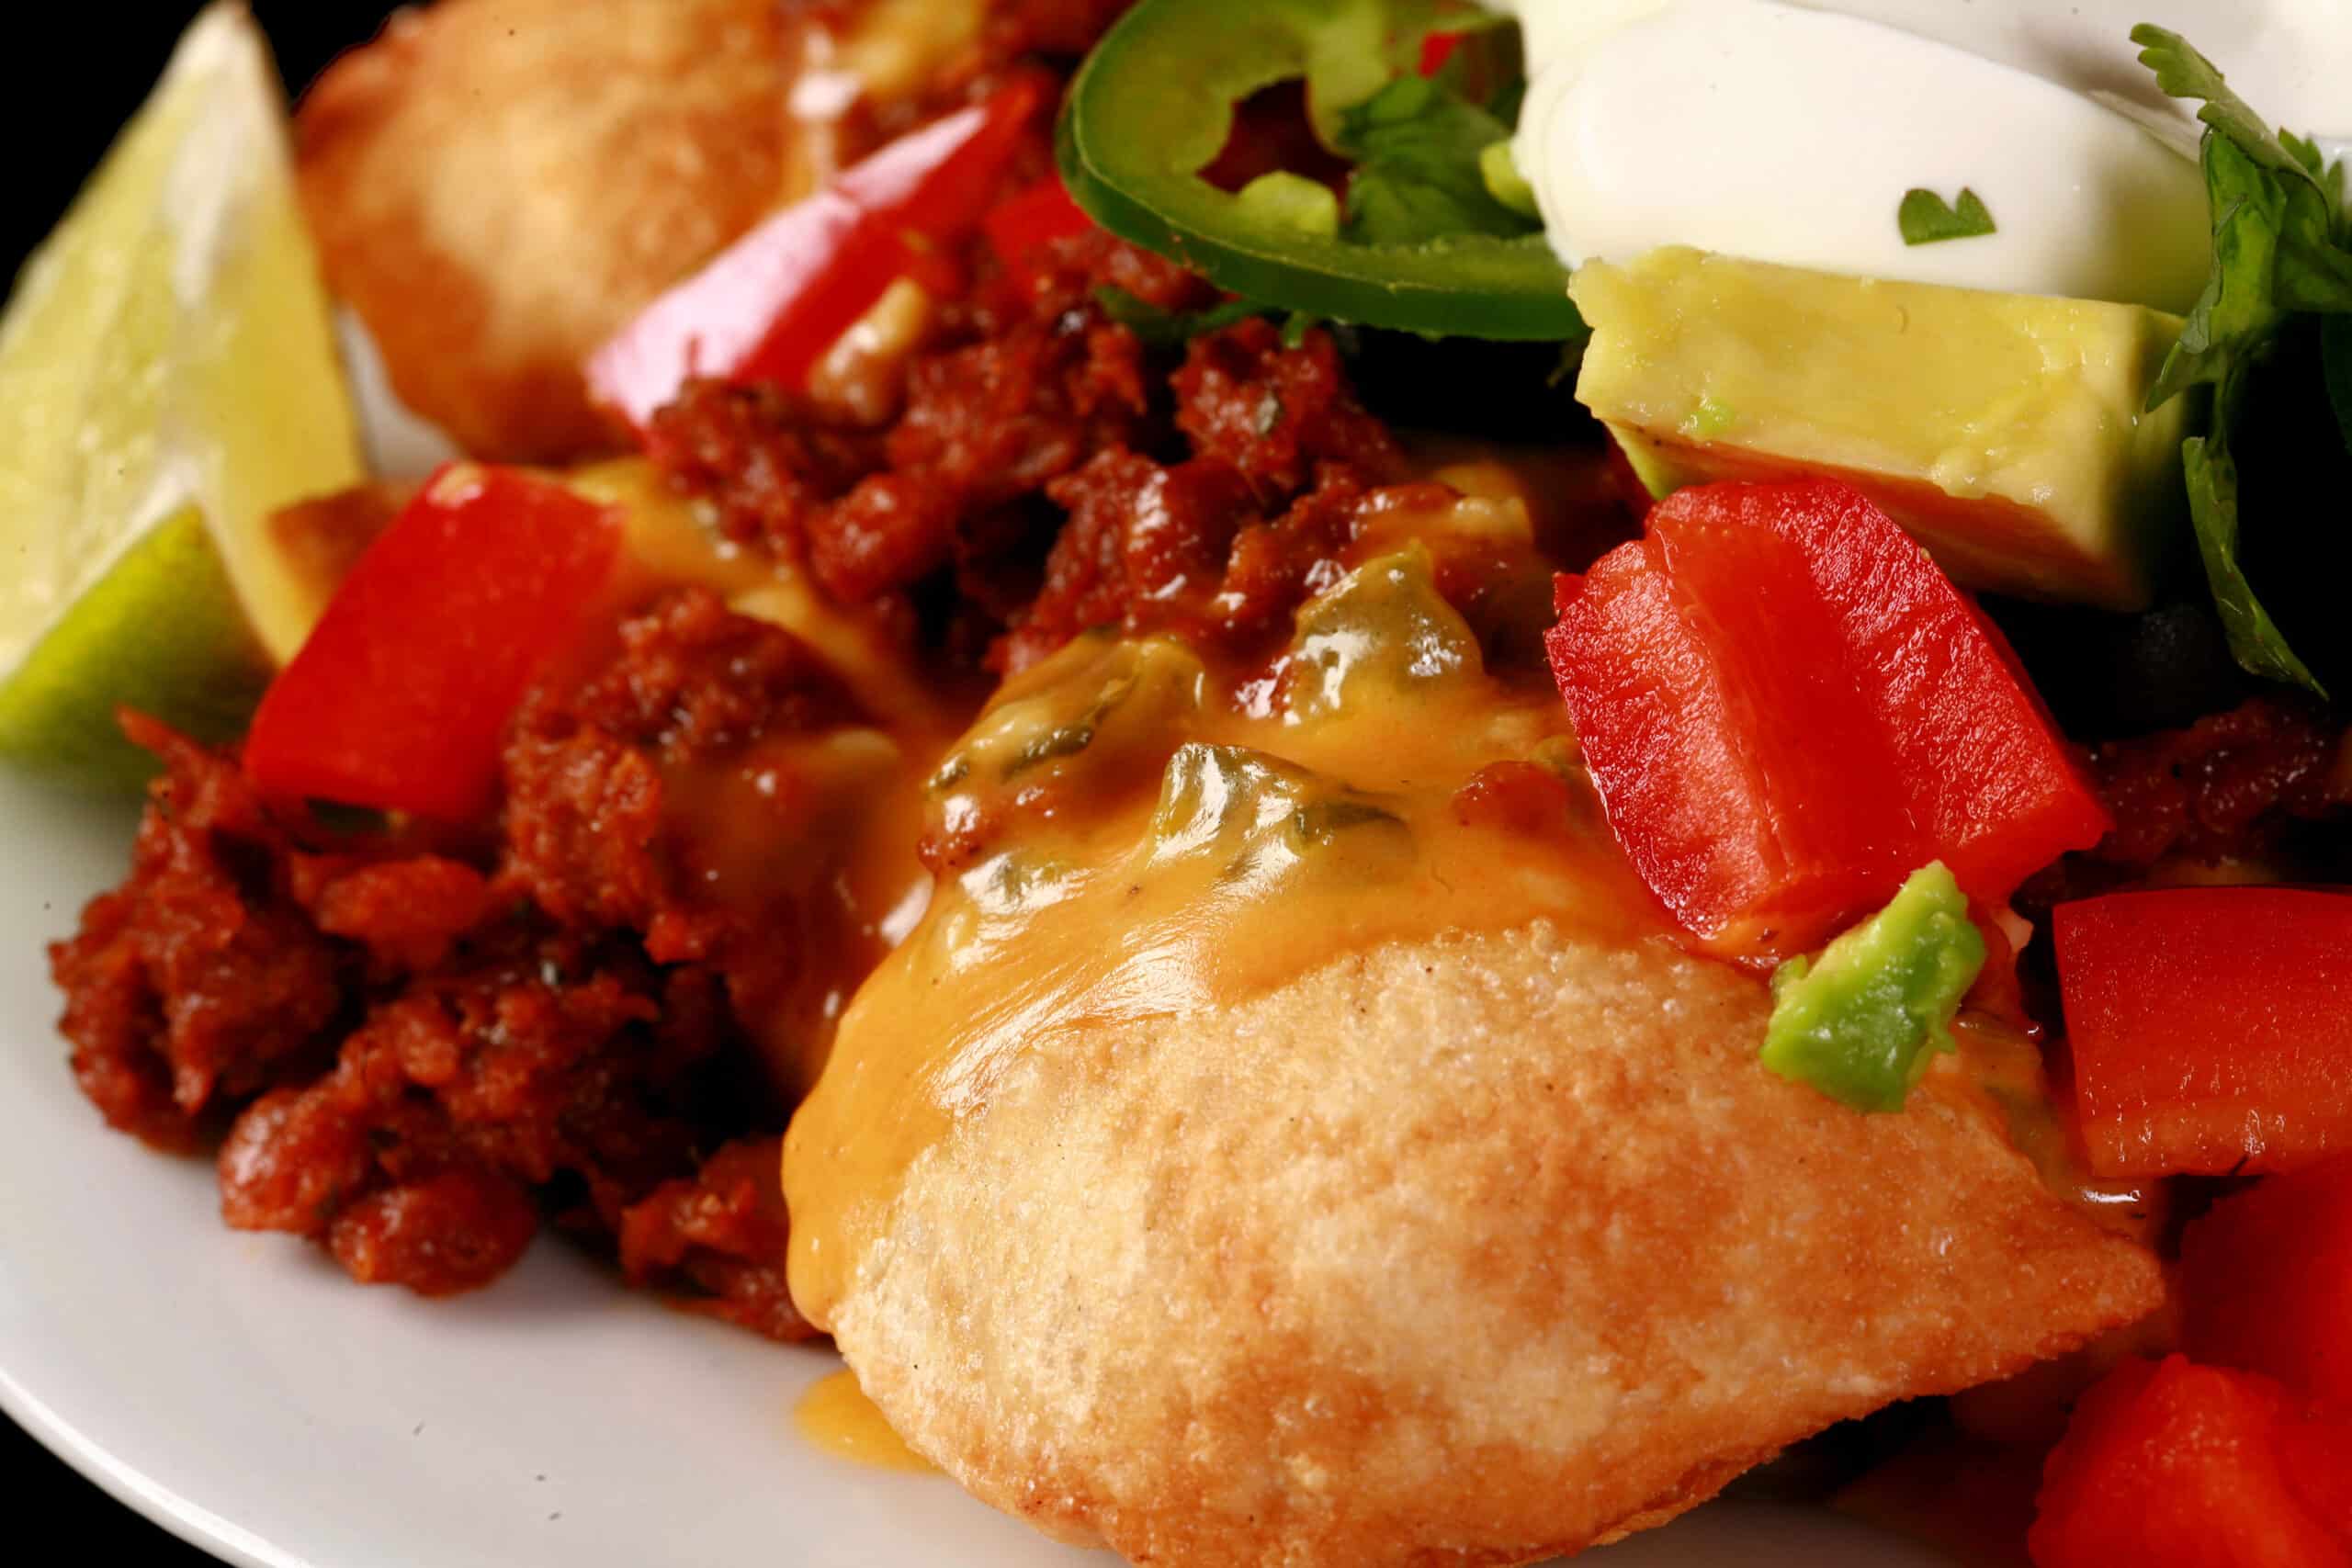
2006,431
1862,1022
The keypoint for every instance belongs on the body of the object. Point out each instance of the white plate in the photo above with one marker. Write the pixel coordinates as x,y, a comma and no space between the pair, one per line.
240,1391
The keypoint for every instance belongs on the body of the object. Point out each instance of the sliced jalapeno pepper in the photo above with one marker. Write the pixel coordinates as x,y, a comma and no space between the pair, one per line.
1154,104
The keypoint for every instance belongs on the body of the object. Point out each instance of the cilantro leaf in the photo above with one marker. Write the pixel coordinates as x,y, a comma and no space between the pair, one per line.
1417,146
1924,217
1359,45
2254,638
1508,100
2239,310
2283,246
2315,267
2183,73
2307,153
1163,328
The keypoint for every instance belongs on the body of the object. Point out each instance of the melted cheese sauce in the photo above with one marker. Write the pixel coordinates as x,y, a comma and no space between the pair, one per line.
1146,836
819,829
1132,832
2005,1070
836,1416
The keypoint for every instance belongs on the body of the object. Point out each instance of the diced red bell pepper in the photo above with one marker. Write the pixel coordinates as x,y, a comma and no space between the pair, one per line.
2211,1026
1787,708
2174,1465
1436,50
2314,1448
1022,224
770,305
400,696
2265,1281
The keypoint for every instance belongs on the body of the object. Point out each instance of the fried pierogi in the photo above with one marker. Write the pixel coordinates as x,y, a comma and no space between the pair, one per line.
1269,1152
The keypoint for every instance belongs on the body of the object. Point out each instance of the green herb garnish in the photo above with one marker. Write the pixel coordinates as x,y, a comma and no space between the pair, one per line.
2281,246
1161,328
1417,146
1925,218
1154,103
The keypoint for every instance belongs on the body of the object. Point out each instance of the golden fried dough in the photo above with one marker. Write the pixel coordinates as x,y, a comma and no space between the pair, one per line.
1468,1249
497,184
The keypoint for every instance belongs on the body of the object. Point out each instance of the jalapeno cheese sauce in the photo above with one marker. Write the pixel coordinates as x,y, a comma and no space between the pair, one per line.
1790,132
816,827
1143,833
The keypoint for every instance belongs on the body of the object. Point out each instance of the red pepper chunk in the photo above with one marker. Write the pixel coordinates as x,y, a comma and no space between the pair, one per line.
1022,225
2174,1465
2211,1026
2265,1281
399,698
1787,708
768,307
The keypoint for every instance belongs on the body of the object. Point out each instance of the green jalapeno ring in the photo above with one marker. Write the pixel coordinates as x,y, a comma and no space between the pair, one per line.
1154,104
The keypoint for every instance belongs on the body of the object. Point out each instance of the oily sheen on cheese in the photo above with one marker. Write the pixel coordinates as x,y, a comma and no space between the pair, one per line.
1256,1157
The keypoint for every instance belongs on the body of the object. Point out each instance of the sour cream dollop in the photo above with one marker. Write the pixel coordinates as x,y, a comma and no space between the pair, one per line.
1786,130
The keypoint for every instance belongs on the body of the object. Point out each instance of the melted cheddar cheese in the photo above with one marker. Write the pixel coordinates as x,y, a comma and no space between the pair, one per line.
1130,832
819,828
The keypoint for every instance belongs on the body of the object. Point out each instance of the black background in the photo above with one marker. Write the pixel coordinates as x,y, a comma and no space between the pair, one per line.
61,100
64,98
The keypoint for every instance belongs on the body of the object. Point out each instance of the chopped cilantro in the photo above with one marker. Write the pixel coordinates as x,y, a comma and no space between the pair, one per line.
1418,148
1360,45
2283,246
1925,218
1161,328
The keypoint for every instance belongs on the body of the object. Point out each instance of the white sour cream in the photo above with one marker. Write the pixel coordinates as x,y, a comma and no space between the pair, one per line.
1788,130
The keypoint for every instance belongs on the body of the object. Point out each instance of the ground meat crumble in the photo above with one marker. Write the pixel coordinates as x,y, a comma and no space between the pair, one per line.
1051,462
2238,786
418,1049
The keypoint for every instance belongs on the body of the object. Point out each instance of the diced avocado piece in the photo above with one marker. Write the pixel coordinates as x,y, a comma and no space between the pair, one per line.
1862,1023
2006,431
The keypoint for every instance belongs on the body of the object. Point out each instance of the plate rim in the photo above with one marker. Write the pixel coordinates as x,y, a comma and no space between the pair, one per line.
182,1517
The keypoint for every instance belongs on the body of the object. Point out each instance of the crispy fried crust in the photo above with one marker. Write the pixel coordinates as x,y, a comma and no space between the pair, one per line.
1471,1251
497,184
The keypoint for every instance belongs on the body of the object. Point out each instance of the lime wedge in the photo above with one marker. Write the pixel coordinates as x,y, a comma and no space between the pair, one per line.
168,379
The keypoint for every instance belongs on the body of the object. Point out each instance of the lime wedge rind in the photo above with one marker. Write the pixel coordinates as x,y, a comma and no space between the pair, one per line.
199,665
168,379
256,331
